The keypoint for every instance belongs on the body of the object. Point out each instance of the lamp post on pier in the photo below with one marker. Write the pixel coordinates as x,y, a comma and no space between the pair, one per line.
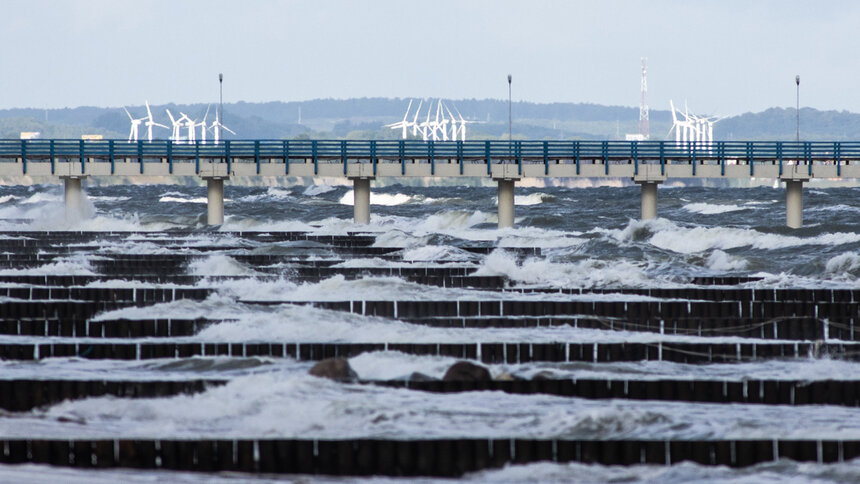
510,130
797,109
220,102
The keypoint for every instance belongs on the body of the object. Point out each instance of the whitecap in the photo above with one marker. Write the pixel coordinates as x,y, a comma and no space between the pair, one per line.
315,190
711,209
721,261
168,199
667,235
585,273
219,265
385,199
845,263
532,199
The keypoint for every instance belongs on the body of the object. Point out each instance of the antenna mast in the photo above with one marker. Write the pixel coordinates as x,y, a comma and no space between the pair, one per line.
644,128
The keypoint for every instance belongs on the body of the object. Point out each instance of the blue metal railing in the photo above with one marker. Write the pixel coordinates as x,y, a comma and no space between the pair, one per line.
523,152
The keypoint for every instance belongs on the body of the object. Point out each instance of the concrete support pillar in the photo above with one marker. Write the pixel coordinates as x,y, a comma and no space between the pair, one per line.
74,198
361,200
794,203
215,201
649,200
506,203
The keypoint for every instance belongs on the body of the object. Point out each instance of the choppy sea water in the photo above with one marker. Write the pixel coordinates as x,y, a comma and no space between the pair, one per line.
590,237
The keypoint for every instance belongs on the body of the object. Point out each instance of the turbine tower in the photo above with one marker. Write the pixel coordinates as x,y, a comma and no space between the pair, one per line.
218,128
135,126
175,135
415,119
403,124
151,122
202,126
644,124
191,125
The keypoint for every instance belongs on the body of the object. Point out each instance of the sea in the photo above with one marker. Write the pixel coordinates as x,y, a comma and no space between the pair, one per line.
590,237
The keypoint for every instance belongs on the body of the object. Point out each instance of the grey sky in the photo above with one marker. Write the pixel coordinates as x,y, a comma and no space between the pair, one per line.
723,57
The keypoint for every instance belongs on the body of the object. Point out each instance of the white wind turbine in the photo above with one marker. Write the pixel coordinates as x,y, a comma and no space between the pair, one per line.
414,123
711,121
463,123
151,122
202,126
135,126
426,126
217,127
441,126
453,121
683,129
403,124
190,125
177,126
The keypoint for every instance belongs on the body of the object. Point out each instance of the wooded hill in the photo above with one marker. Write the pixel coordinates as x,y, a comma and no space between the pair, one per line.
364,118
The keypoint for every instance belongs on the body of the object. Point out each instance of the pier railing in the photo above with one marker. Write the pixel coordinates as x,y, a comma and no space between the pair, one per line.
808,153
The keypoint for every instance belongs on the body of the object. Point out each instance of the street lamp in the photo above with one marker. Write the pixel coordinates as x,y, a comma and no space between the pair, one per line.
220,101
797,110
510,138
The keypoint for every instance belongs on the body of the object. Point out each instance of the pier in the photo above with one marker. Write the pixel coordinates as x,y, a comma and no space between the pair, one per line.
646,163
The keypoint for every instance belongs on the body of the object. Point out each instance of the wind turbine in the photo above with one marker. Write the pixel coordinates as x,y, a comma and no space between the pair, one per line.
150,122
683,129
190,124
454,129
177,125
711,122
402,124
217,127
463,123
425,125
202,126
441,125
414,123
135,126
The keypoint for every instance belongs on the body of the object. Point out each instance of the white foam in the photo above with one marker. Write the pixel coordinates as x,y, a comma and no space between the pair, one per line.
272,193
253,225
537,237
721,261
532,199
437,253
847,263
219,265
315,190
43,197
168,199
256,405
373,262
667,235
8,198
104,198
385,199
839,207
78,265
585,273
711,209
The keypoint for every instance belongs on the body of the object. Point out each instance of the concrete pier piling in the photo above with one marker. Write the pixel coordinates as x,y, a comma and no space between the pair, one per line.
74,197
506,203
794,203
361,200
649,200
215,201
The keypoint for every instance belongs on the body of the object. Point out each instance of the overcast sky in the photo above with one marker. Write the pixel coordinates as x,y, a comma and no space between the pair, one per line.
723,57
